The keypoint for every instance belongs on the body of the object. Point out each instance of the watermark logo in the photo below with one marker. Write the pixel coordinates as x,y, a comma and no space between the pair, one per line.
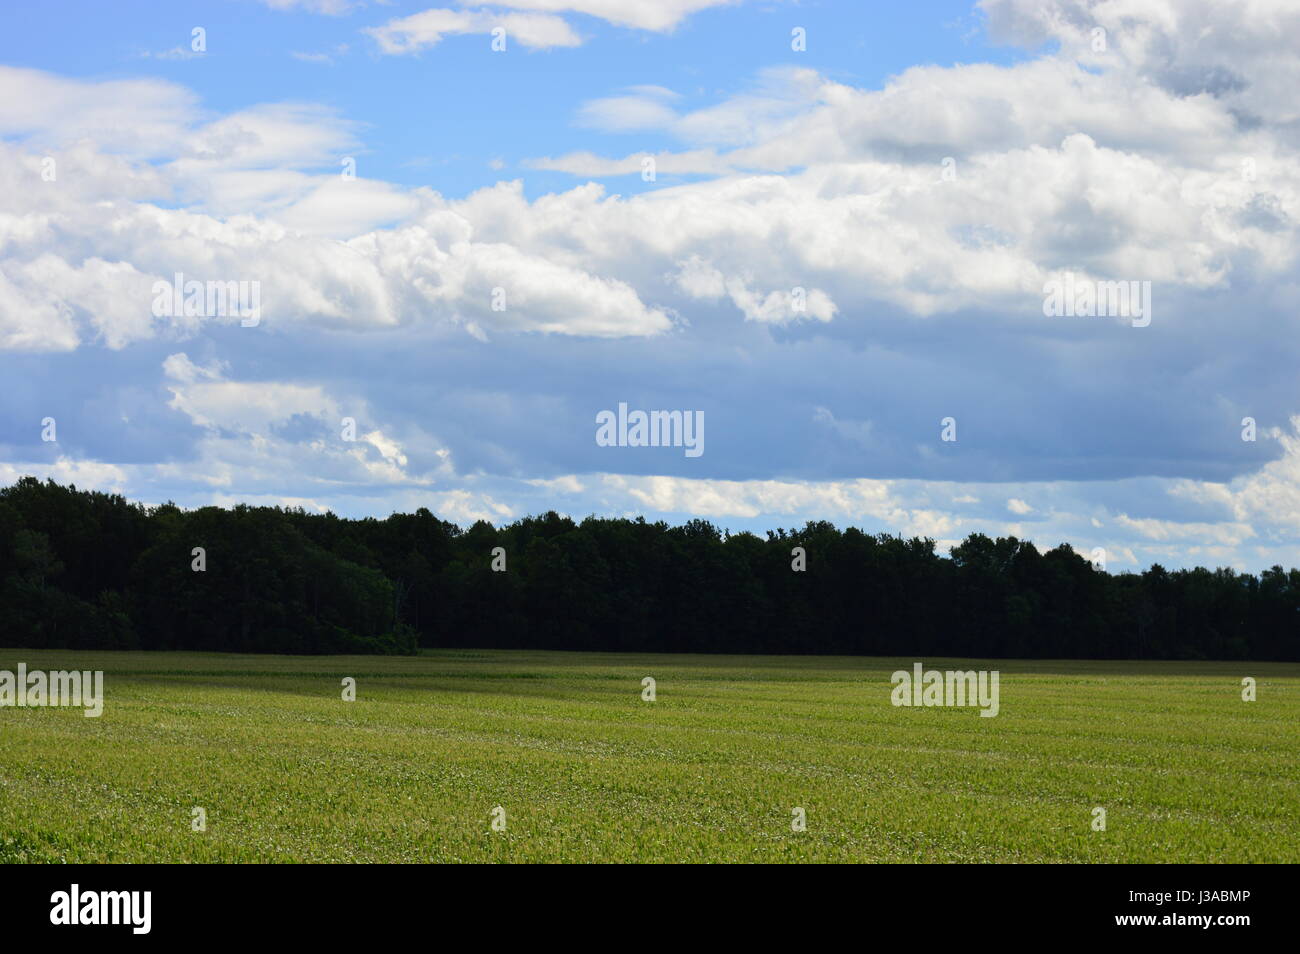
1084,298
931,687
196,299
58,688
651,429
103,907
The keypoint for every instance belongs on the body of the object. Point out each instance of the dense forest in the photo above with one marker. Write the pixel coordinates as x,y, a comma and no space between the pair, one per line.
86,569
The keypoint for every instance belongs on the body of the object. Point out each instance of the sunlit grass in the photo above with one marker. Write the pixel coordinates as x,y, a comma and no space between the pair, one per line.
587,771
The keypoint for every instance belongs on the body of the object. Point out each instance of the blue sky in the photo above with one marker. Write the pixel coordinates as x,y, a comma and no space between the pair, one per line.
418,127
915,178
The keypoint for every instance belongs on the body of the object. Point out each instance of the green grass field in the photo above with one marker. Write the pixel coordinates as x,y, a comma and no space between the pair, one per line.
587,771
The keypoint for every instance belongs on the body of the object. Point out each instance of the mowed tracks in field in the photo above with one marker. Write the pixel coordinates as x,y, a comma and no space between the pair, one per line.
587,771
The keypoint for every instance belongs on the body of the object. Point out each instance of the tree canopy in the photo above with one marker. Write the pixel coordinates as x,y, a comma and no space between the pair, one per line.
84,569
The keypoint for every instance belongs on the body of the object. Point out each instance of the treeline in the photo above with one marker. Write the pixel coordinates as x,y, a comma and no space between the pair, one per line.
85,569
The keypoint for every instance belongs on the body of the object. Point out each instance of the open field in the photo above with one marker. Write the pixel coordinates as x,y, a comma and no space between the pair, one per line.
587,771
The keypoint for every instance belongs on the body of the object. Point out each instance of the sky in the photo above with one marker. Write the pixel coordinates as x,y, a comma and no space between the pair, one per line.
829,230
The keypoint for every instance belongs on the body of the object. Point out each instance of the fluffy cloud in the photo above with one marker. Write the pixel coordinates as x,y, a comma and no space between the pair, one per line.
82,473
256,430
422,30
540,27
140,117
1235,50
660,16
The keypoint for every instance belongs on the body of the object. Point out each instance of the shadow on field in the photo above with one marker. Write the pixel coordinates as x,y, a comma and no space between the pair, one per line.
515,666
